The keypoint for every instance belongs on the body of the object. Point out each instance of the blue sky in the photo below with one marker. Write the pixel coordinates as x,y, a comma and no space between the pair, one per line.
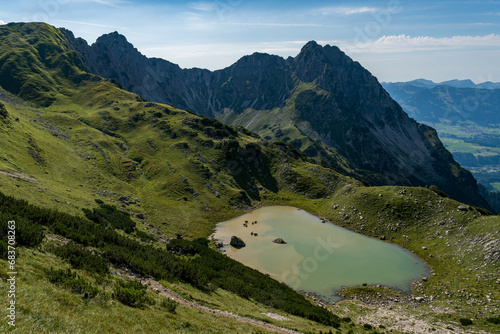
396,40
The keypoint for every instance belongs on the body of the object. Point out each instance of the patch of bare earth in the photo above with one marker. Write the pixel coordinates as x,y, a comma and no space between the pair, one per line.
165,292
18,176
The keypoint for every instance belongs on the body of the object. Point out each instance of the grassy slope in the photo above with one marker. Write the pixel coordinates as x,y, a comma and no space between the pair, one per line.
461,248
77,163
45,308
287,127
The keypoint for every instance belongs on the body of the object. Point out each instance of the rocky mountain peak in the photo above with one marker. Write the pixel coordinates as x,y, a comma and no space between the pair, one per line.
321,93
117,44
321,63
260,60
328,53
114,38
311,46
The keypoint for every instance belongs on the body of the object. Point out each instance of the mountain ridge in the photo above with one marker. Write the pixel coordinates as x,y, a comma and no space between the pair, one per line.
321,100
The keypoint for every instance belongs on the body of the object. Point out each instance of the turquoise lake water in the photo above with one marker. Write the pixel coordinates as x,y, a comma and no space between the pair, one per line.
318,258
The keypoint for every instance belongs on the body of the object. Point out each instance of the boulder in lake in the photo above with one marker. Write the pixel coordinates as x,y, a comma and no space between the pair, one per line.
237,242
279,241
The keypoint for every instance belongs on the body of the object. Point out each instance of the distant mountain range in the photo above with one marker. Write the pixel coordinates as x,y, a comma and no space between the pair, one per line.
450,83
467,118
455,100
321,101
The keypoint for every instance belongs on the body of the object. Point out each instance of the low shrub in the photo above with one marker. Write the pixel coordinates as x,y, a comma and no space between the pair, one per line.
131,293
26,234
69,280
465,321
169,304
3,111
494,320
144,236
80,258
438,191
110,216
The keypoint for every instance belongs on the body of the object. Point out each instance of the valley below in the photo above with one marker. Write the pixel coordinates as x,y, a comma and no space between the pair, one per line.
465,115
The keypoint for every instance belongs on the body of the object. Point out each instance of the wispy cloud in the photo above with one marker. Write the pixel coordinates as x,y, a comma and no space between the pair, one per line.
94,24
404,43
273,24
352,11
344,10
2,22
203,6
110,3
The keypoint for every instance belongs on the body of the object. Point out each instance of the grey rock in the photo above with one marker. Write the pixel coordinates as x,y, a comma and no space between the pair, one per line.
279,241
237,242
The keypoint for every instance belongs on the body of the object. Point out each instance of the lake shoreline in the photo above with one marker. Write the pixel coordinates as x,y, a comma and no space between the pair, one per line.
398,254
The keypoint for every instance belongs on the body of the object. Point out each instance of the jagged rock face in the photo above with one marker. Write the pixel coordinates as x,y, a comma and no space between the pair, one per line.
343,105
358,117
259,81
112,56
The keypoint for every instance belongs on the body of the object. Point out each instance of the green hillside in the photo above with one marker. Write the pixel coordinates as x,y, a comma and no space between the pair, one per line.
321,101
139,186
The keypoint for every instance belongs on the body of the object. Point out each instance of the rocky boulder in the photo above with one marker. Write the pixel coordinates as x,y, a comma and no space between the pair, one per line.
237,242
279,241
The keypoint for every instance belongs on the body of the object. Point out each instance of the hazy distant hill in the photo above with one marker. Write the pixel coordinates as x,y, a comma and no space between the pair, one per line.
453,101
467,118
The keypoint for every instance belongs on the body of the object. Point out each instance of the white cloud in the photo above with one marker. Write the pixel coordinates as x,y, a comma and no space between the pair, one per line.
2,22
404,43
110,3
202,6
344,10
360,10
94,24
273,24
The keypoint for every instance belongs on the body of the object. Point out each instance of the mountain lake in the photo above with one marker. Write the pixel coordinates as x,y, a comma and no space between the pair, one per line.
319,257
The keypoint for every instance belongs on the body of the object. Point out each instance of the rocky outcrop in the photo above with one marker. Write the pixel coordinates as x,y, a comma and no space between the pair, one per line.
321,93
237,242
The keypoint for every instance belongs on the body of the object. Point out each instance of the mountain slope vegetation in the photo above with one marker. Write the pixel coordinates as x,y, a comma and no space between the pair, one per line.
103,184
321,101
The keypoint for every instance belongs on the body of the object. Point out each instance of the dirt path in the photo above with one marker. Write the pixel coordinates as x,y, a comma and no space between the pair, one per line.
57,239
18,176
165,292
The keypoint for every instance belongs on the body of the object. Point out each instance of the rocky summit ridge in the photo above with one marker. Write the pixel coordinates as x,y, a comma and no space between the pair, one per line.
321,101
